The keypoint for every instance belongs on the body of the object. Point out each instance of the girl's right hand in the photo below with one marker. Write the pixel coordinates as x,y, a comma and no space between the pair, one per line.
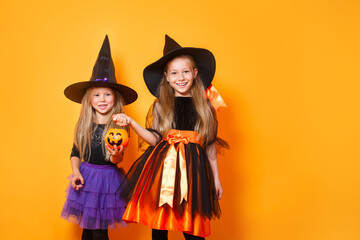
77,181
121,119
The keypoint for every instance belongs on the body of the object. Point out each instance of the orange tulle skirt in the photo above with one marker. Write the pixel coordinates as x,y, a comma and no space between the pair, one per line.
174,187
166,218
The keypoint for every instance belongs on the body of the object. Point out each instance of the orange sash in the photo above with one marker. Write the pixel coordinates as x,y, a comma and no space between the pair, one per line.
169,169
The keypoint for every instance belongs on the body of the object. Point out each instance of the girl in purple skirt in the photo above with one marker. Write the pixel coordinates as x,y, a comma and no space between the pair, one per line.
92,200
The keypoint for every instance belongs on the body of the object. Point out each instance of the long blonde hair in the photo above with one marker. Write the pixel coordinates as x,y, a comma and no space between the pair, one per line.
85,126
206,123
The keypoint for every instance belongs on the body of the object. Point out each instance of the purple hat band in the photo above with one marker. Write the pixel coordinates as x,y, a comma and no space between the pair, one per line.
99,79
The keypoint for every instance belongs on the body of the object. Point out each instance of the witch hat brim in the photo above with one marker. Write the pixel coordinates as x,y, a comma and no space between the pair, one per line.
103,75
204,60
76,91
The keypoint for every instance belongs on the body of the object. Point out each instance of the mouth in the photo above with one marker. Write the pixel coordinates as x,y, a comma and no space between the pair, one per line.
102,106
181,84
112,142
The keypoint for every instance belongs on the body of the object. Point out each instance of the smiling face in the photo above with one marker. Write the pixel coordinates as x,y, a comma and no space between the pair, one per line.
180,73
102,100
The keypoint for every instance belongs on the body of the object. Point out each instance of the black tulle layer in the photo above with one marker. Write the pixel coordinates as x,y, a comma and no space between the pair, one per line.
143,181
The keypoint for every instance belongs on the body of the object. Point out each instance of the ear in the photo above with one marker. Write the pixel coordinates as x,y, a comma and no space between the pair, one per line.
166,77
195,72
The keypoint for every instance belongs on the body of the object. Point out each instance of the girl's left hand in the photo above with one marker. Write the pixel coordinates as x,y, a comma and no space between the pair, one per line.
116,154
218,189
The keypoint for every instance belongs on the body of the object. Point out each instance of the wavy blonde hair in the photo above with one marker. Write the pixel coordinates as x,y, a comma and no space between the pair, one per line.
85,126
206,123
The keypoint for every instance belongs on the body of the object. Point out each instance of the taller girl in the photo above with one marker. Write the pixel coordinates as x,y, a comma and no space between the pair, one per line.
176,181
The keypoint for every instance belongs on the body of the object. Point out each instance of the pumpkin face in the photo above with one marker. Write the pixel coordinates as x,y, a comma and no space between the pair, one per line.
115,137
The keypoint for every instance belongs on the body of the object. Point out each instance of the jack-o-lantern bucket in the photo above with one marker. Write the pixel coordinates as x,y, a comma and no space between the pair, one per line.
116,137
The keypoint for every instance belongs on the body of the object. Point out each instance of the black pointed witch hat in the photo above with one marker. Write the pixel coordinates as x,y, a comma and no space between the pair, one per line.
204,59
103,75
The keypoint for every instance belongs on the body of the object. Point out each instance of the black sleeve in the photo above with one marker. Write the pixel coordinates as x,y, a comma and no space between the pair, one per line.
75,152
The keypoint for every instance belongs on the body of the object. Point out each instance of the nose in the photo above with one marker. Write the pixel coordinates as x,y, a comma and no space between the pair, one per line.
181,76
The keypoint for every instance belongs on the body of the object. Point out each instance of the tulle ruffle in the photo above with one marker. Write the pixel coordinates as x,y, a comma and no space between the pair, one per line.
97,205
142,188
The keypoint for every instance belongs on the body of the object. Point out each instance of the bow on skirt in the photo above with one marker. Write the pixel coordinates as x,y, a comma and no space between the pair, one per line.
169,170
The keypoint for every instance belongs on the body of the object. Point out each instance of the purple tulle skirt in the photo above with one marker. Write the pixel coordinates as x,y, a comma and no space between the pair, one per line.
97,205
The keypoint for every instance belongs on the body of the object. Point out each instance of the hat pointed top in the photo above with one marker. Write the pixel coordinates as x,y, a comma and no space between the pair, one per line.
170,44
204,60
104,67
105,48
103,75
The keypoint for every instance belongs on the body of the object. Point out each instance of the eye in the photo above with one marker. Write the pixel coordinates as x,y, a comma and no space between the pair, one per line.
186,71
108,94
173,73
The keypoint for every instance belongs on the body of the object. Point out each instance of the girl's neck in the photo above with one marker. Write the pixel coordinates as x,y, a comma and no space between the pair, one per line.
101,119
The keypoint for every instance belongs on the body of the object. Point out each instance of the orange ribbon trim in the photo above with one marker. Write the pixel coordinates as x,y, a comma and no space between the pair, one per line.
169,169
214,96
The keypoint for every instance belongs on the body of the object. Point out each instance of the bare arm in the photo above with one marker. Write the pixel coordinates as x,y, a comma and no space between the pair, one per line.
123,120
212,156
76,177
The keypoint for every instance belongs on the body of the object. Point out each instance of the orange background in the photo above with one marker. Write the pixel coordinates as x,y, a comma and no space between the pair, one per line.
288,70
